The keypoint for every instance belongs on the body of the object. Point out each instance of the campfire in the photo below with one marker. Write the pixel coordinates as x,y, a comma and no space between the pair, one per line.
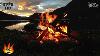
8,49
49,32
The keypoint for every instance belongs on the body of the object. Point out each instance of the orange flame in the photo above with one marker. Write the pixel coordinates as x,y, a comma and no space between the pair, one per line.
8,49
64,28
48,31
50,18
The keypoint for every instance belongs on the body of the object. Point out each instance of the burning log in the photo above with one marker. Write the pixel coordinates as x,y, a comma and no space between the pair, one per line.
43,33
49,32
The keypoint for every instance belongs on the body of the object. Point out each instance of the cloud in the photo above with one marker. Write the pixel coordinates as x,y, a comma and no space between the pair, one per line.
34,6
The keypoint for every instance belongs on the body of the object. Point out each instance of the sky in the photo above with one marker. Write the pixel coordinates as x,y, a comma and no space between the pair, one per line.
29,7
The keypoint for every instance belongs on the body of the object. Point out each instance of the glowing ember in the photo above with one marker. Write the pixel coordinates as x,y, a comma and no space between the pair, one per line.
57,24
8,49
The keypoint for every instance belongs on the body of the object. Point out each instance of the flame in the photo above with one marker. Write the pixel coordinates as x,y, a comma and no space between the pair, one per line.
48,31
52,35
8,49
50,18
64,28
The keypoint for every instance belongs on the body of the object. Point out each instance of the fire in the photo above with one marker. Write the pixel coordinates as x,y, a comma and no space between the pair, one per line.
50,18
8,49
49,32
64,28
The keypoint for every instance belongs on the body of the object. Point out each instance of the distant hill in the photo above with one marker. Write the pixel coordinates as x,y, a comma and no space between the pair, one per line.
4,16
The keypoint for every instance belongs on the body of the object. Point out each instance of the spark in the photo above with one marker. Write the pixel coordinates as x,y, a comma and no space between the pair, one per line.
65,15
